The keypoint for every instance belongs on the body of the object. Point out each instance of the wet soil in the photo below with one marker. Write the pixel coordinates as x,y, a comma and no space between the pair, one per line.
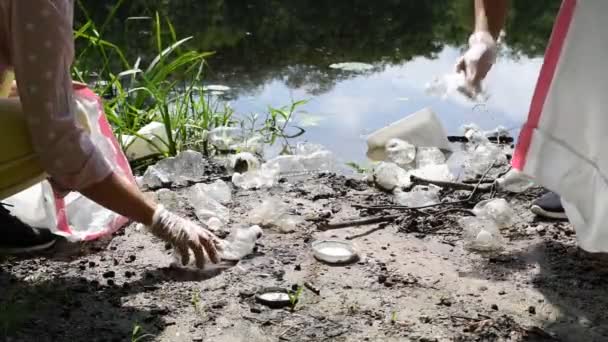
414,280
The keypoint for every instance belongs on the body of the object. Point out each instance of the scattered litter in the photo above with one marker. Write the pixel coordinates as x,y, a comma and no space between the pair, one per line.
187,166
434,172
418,196
274,213
308,158
240,242
389,176
150,139
226,138
422,128
274,297
169,199
243,162
474,134
483,156
214,224
352,66
514,181
218,190
400,152
497,210
205,206
481,234
334,251
265,177
426,156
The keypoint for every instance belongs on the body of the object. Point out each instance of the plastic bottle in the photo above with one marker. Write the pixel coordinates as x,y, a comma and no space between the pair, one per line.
514,181
240,242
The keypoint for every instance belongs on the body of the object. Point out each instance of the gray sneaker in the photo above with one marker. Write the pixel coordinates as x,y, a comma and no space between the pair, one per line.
549,206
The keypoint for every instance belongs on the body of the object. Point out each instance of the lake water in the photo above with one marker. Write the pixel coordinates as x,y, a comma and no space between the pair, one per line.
272,52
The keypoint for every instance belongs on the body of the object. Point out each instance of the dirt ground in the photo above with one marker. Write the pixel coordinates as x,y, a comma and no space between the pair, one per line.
414,281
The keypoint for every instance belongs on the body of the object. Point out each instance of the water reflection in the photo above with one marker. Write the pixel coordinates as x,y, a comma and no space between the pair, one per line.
356,106
271,51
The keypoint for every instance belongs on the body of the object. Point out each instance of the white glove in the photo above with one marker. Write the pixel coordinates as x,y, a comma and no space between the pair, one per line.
477,61
185,235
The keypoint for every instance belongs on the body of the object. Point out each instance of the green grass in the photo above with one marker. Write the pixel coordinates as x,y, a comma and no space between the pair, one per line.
138,335
168,89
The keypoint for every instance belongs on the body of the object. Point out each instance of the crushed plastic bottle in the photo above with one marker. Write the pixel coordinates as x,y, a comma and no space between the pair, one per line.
474,134
308,158
169,199
401,152
426,156
226,138
264,177
497,210
439,172
389,176
240,242
514,181
481,235
273,212
418,196
187,166
483,156
205,207
218,190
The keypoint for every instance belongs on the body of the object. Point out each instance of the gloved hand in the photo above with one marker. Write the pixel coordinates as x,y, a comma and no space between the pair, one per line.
477,61
185,235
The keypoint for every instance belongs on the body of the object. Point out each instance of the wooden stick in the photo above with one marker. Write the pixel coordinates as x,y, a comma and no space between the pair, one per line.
355,223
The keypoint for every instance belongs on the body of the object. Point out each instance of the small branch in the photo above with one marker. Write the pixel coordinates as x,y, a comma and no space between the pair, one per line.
449,185
369,232
355,223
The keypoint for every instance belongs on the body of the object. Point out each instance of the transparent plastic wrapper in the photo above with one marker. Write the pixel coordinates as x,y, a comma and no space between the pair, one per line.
239,244
170,199
514,181
272,212
308,158
264,177
226,138
389,176
218,190
451,84
434,172
205,206
418,196
474,134
481,235
74,216
187,166
401,152
483,156
497,210
426,156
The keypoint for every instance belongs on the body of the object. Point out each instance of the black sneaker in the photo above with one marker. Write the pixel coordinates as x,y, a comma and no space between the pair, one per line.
549,206
17,237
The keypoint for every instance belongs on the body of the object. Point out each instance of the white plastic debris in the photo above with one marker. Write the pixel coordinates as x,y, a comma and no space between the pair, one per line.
474,134
308,158
169,199
243,162
422,128
186,166
514,181
481,234
439,172
240,242
352,66
205,207
483,156
497,210
272,212
426,156
226,138
214,224
400,152
150,139
264,177
216,87
218,190
389,176
418,196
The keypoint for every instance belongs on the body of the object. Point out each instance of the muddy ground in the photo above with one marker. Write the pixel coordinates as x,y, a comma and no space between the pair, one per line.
414,281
